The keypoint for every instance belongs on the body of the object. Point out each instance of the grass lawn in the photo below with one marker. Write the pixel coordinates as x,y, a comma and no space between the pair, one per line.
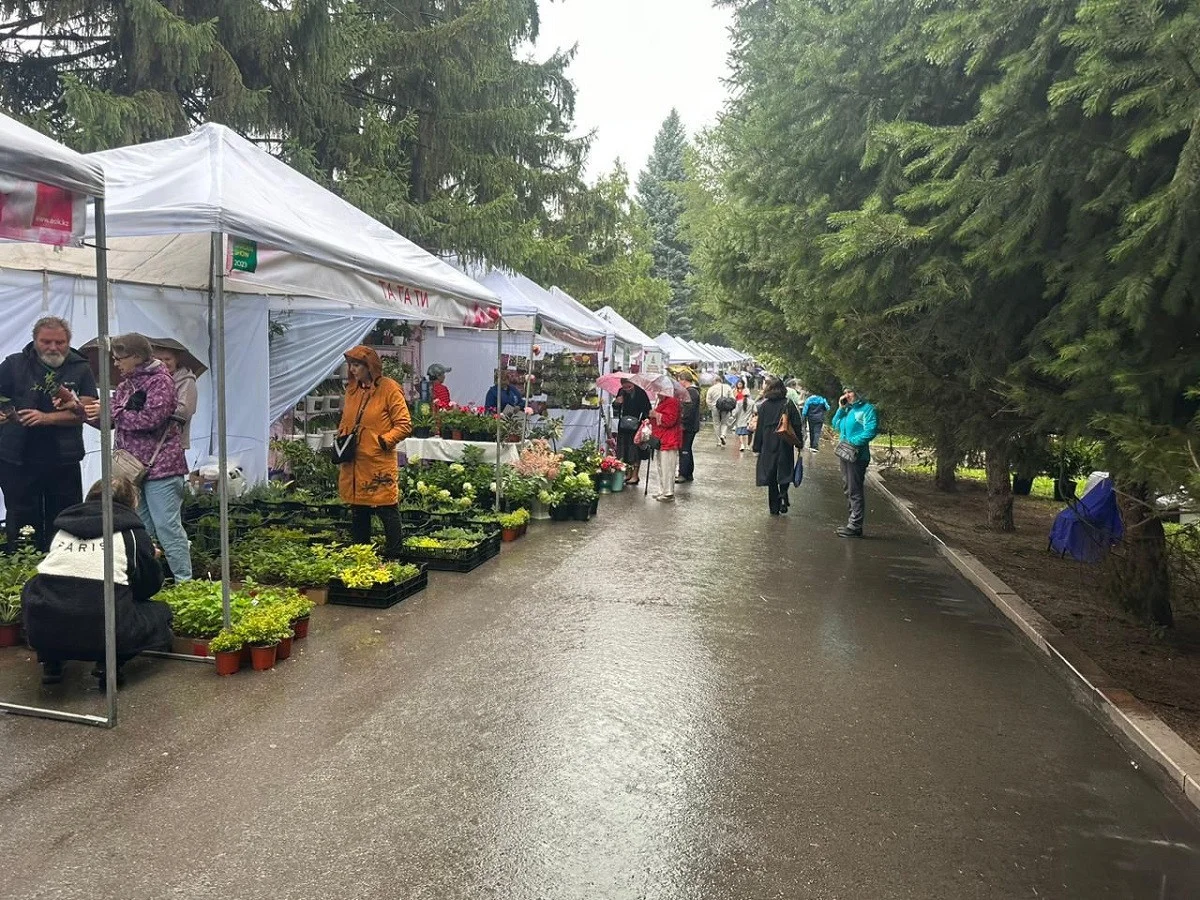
1043,486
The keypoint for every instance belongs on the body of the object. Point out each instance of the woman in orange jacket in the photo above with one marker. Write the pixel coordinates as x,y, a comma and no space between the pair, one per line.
375,409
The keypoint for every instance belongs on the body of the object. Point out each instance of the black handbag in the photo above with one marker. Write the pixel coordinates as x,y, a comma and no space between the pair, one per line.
628,424
345,445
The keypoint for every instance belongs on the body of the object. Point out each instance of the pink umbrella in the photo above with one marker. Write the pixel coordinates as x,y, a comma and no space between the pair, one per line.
654,385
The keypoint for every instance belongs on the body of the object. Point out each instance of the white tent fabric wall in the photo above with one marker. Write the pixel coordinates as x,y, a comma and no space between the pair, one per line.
310,347
157,312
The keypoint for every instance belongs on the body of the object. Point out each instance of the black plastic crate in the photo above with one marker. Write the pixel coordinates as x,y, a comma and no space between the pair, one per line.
463,560
380,596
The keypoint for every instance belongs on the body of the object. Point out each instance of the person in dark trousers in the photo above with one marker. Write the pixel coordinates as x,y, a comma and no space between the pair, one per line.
691,427
63,605
631,407
41,446
776,457
856,424
813,412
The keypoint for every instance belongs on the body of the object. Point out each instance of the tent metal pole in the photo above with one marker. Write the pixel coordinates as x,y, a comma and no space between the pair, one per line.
58,714
106,497
499,354
217,292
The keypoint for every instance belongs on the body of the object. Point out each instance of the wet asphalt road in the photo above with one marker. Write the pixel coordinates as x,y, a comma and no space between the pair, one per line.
668,703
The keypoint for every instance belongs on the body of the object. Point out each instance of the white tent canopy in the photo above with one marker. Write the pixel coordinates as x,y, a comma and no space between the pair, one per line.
676,351
626,330
213,180
28,155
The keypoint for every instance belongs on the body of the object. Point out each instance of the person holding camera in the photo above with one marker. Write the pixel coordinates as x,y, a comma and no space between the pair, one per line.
856,425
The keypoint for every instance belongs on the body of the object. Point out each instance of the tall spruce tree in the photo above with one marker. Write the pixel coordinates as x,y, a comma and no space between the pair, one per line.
659,192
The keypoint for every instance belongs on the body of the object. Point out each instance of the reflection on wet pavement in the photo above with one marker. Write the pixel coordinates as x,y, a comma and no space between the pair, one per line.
694,701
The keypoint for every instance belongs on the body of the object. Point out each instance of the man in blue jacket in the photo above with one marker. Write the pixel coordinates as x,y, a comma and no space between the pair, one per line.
856,425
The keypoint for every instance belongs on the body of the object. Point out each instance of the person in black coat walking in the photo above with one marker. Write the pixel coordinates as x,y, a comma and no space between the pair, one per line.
63,605
691,426
776,457
631,403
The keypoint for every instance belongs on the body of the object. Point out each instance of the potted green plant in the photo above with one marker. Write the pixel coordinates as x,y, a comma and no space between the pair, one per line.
578,493
226,648
299,610
423,421
15,569
263,628
510,524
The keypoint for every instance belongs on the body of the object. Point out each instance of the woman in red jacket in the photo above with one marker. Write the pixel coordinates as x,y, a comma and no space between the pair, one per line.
666,424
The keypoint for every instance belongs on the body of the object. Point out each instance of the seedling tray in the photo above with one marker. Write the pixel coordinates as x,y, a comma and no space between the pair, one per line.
380,596
456,560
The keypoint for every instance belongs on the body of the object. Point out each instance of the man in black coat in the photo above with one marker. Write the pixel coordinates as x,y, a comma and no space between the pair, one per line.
691,426
63,605
41,447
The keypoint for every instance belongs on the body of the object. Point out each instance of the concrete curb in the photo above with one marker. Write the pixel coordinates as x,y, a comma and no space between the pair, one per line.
1170,753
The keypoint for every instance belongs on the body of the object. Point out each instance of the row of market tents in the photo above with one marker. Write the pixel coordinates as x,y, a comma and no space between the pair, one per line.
303,274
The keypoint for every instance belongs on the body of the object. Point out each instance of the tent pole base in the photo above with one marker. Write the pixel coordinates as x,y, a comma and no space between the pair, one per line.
36,712
185,657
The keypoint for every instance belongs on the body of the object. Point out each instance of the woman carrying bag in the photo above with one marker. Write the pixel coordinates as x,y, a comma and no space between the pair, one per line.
776,442
374,420
631,407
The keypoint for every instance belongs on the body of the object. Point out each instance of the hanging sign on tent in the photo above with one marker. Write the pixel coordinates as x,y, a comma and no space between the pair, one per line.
31,211
244,255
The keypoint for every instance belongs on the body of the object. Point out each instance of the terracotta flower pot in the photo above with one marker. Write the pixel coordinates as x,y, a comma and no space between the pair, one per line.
10,634
300,627
455,434
509,535
228,661
284,650
263,658
200,647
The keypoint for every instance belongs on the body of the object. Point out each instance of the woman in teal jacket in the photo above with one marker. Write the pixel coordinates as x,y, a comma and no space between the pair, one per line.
856,425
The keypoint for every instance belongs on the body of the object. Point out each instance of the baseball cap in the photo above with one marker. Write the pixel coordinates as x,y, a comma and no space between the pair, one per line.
437,370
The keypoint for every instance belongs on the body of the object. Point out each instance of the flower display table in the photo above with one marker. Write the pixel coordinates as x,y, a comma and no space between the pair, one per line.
450,451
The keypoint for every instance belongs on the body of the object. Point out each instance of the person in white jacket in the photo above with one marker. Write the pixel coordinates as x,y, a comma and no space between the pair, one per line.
720,417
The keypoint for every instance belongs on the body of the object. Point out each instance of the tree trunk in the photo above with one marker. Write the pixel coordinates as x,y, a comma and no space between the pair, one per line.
999,487
946,453
1139,578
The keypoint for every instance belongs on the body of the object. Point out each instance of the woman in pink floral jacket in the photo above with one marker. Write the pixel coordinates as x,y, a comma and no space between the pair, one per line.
142,413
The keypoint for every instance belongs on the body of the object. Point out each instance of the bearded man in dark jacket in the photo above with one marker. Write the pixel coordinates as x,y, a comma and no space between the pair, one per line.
63,605
41,447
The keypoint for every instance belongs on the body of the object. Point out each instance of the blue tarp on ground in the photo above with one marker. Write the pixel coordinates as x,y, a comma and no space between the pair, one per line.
1086,530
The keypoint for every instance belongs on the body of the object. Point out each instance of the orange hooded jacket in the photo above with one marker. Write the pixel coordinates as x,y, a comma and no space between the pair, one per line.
371,478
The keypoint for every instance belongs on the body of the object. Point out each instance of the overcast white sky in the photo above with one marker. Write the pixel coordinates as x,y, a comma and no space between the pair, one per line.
637,59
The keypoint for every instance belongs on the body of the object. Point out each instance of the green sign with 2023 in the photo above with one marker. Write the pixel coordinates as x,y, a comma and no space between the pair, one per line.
245,255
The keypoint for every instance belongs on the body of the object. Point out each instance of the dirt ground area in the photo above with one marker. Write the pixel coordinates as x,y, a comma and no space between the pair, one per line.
1164,672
